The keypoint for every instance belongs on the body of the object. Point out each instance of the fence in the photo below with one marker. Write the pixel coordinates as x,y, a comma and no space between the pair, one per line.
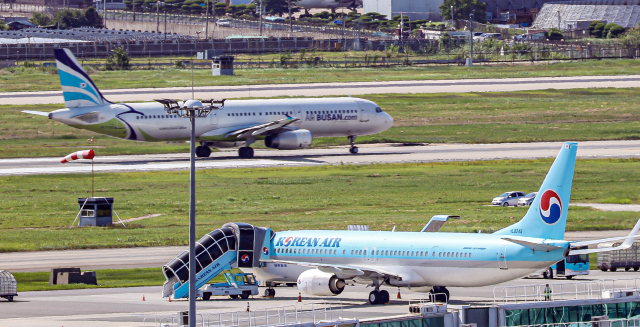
308,313
596,289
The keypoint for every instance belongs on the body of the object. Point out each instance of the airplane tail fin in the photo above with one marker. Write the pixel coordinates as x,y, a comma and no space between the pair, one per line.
77,87
547,216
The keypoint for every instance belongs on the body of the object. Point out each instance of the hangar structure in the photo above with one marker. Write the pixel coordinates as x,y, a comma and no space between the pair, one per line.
569,15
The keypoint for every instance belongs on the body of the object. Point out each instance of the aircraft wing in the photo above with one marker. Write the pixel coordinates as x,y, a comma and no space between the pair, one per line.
342,271
628,242
33,112
262,128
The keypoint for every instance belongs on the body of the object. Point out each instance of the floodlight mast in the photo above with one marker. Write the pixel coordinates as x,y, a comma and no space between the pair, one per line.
191,109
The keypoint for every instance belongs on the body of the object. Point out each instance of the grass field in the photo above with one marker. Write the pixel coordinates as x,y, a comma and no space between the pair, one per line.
547,115
37,210
35,79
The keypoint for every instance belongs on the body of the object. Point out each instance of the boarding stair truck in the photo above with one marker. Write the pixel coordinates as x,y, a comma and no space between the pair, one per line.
240,285
234,245
628,258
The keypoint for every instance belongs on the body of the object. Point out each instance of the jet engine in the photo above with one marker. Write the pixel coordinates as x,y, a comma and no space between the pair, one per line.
290,140
316,282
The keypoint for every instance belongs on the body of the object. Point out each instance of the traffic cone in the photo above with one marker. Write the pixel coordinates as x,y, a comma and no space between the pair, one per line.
169,299
248,307
399,297
143,297
299,297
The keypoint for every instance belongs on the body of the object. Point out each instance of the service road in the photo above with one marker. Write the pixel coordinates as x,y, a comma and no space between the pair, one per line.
337,89
377,153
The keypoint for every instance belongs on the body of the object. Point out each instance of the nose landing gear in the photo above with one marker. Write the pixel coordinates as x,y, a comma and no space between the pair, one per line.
203,151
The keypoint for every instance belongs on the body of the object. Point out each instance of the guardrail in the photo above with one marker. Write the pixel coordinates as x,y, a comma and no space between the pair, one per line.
315,313
564,291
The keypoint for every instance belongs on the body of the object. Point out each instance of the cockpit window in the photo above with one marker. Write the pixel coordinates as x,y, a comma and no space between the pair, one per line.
378,110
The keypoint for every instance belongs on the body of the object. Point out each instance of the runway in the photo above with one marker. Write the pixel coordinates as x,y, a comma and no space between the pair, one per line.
369,154
337,89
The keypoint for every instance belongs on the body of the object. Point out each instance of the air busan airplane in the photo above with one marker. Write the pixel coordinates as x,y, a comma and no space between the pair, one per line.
324,262
282,123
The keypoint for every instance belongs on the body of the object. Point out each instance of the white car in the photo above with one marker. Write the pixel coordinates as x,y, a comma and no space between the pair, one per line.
223,23
527,199
508,199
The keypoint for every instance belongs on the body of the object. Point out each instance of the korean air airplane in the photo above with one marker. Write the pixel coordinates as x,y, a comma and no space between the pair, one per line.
325,262
285,124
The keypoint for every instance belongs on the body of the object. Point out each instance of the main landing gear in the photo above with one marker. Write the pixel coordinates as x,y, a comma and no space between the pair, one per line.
440,294
245,152
203,151
354,148
378,297
269,291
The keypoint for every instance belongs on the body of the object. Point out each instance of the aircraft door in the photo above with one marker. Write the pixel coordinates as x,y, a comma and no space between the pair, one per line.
364,114
434,253
213,117
502,257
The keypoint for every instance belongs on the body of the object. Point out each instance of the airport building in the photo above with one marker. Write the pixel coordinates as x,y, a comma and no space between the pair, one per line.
427,9
573,15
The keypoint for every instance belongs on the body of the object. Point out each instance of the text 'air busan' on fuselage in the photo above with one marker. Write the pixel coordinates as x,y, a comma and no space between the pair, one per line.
285,124
323,262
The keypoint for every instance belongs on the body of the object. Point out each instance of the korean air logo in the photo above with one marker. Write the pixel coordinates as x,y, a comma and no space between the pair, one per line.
288,241
299,281
265,250
83,85
245,258
550,207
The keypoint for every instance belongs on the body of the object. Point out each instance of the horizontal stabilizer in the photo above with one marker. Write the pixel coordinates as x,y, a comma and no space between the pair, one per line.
33,112
533,246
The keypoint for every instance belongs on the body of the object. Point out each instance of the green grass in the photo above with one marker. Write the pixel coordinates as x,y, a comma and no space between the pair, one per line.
36,79
37,210
107,278
488,117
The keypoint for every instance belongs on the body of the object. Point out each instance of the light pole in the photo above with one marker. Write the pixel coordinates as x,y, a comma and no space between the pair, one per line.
197,37
452,17
158,16
206,22
191,109
470,63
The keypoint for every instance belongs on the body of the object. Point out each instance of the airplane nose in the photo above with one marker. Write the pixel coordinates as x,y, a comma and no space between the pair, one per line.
389,119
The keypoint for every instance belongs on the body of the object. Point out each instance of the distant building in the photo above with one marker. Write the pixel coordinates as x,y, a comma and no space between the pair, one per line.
111,4
578,15
425,9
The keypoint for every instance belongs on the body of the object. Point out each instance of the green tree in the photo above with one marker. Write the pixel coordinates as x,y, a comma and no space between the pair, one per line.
3,26
277,7
40,19
196,8
592,26
463,8
598,29
615,31
554,34
93,18
220,8
119,60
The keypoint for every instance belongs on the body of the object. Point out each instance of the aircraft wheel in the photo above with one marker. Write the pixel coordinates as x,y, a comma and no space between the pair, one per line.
205,151
375,297
354,150
245,152
441,293
385,296
206,296
245,295
199,151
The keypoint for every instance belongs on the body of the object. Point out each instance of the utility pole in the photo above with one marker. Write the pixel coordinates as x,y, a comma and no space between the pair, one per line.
206,22
158,16
165,23
452,17
290,21
260,18
559,19
133,4
470,62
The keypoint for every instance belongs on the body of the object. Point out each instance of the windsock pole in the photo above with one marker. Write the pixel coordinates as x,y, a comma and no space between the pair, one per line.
92,178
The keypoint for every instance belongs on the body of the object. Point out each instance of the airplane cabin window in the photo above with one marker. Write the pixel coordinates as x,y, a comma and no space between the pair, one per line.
344,251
